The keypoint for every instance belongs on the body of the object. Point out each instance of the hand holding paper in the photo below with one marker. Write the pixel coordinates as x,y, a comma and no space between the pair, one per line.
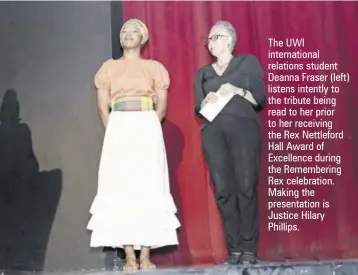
212,109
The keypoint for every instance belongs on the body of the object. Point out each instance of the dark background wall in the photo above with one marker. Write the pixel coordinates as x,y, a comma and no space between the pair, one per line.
50,134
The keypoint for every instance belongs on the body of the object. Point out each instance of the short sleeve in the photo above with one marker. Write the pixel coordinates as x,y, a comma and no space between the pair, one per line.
101,78
161,77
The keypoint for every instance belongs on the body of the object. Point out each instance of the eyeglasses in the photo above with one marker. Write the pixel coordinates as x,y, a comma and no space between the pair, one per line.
214,38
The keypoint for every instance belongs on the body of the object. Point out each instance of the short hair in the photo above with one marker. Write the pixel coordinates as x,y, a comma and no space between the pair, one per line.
230,30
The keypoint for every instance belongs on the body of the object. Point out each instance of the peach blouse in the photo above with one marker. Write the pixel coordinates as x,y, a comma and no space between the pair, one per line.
132,77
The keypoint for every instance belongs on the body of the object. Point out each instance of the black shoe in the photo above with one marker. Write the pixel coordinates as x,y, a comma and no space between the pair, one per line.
233,259
248,258
118,264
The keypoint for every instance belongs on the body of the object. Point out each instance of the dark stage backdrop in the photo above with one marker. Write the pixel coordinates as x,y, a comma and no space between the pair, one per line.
177,32
50,134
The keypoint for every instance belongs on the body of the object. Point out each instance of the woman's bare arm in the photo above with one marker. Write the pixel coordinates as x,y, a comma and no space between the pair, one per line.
161,106
102,105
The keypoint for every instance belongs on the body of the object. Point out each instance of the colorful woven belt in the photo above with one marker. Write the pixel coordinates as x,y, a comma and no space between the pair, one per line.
132,103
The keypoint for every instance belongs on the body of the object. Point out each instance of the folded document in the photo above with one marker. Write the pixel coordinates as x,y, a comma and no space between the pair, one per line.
212,109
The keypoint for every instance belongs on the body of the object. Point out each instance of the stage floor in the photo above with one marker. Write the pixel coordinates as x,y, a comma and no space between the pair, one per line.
307,268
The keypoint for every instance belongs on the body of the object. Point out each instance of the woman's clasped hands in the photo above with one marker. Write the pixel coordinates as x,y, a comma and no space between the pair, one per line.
224,90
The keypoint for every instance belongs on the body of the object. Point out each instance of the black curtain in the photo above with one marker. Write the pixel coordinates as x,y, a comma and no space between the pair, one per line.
116,25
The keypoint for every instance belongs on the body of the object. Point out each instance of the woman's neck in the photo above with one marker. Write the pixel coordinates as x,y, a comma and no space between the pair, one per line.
131,54
224,59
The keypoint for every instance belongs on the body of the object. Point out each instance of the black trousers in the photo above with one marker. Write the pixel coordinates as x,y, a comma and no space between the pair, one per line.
232,149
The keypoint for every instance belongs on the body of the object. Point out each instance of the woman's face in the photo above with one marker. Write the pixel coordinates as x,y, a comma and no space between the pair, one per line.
218,41
130,37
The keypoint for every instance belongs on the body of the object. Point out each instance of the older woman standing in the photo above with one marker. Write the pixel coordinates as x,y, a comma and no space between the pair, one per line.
133,208
231,142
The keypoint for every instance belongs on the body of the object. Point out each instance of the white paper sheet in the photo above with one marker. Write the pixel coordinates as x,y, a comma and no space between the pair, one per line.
211,110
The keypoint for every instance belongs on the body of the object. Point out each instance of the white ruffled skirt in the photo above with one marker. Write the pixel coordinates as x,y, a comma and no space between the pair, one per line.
133,205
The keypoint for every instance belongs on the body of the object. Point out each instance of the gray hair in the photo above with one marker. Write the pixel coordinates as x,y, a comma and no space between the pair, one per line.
230,30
